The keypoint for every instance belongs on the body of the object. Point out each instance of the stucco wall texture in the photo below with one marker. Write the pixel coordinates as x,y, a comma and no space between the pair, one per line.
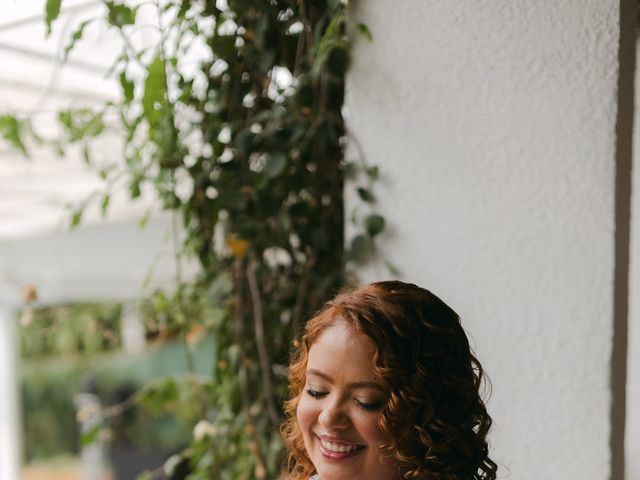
493,124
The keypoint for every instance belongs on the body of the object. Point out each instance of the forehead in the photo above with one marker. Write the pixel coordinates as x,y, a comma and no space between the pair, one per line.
342,350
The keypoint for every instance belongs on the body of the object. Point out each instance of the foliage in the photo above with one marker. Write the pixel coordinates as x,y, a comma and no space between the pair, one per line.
49,386
49,416
148,397
14,130
247,150
70,329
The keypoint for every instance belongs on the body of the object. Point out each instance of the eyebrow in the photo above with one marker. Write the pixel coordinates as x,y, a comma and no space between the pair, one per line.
363,384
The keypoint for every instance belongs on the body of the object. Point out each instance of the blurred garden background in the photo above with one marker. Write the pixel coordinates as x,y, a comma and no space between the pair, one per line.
183,182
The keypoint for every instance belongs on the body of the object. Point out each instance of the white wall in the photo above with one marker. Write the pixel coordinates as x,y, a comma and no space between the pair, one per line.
494,126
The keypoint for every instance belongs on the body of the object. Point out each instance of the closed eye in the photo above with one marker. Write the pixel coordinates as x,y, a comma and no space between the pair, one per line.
315,394
370,407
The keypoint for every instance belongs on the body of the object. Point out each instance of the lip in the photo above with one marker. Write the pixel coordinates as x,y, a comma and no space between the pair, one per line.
338,455
334,439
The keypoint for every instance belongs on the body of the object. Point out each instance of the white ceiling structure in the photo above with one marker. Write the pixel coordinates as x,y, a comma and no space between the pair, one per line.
36,192
106,258
35,83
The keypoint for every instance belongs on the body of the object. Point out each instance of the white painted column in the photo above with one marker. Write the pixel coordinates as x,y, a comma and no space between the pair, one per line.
10,431
93,457
132,327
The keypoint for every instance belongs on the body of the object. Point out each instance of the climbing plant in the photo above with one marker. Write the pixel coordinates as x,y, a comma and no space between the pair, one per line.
246,148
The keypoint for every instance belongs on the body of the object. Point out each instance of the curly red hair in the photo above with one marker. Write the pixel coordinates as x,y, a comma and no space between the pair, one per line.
435,418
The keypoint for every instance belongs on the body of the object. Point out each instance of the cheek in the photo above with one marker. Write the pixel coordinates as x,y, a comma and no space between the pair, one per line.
368,426
306,414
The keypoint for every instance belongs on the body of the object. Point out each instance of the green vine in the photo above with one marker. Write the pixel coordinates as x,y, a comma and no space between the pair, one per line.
247,151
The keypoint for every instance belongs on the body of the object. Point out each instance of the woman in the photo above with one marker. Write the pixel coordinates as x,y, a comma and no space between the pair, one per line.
384,386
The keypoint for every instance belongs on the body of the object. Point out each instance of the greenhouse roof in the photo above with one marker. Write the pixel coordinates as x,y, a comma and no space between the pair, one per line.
107,258
35,83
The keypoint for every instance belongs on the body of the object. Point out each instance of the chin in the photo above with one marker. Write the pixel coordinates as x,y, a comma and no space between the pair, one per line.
331,470
333,474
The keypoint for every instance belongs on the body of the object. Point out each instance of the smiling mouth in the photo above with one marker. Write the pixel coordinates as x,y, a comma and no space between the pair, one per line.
338,450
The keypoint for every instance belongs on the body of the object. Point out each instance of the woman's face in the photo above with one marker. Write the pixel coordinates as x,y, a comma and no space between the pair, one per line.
340,405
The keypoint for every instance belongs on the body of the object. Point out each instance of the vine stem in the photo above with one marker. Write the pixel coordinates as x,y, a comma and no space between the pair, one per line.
301,295
245,395
119,408
263,353
188,354
129,49
300,46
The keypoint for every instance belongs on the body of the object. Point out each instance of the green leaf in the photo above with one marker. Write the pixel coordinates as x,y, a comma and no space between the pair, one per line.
275,165
224,46
12,130
86,154
152,403
231,199
350,170
90,436
171,464
162,397
360,249
373,172
184,8
65,118
104,204
28,127
76,218
393,270
127,88
333,38
134,188
154,90
51,12
81,123
166,138
366,195
142,222
364,31
374,224
94,125
120,15
58,147
77,35
146,475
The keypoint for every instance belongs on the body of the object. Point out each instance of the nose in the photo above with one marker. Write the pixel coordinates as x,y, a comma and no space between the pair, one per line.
334,415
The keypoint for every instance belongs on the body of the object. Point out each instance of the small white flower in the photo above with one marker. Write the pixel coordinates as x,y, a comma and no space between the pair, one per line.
204,429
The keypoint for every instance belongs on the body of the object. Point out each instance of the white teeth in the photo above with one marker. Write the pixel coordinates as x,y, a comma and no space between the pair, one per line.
337,447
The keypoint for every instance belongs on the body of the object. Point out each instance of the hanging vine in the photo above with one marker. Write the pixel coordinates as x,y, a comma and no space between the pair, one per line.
247,151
